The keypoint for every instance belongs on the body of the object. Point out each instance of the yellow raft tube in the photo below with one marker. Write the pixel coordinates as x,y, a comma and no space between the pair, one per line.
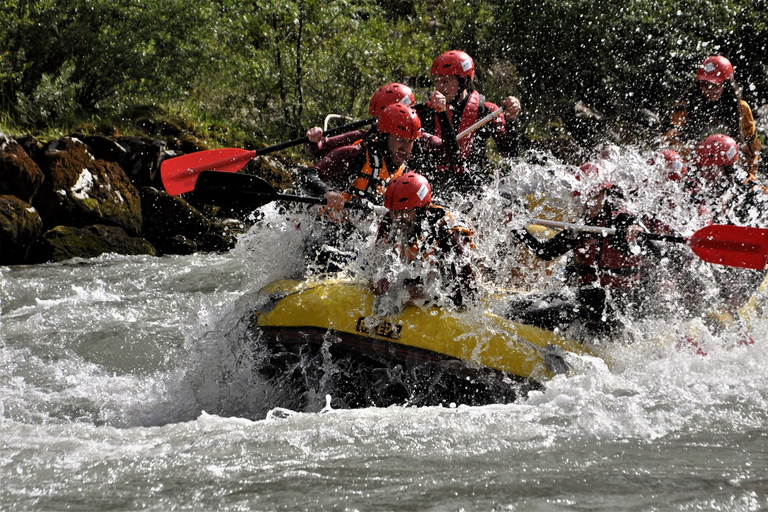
478,348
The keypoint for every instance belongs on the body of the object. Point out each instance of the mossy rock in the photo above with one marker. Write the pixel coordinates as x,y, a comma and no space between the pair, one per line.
66,242
20,225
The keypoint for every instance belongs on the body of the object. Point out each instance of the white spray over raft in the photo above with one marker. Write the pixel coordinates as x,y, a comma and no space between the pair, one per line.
320,335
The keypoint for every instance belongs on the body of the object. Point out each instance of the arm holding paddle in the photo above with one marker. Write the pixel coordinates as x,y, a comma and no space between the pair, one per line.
722,244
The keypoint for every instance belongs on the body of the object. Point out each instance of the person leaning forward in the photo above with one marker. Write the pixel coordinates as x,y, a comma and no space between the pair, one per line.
604,272
713,104
422,253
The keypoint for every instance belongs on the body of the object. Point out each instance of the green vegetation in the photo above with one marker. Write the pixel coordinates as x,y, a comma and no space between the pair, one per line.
247,73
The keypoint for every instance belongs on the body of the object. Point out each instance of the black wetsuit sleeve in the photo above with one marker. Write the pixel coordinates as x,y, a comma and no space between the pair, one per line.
314,185
550,249
449,137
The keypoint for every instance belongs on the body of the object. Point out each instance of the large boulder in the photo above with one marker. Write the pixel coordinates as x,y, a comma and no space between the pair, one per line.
19,174
143,158
172,225
20,225
81,190
66,242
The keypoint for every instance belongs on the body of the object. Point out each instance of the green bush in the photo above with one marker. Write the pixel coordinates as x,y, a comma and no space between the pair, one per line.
268,70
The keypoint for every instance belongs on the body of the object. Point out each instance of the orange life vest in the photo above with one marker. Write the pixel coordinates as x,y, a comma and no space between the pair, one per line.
424,247
372,178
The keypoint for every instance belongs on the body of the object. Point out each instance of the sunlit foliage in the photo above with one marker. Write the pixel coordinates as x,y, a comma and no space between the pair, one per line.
272,68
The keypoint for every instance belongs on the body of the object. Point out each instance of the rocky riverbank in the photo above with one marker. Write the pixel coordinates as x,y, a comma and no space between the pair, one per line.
85,195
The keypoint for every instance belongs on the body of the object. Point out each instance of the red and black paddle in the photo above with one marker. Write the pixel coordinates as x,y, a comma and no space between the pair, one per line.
179,174
723,244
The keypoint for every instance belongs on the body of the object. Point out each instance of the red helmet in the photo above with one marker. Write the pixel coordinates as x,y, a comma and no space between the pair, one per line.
408,191
389,94
716,149
715,69
454,62
672,162
401,121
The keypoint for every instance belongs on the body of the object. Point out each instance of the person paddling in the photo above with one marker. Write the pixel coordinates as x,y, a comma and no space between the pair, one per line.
713,104
358,173
604,273
453,73
721,188
429,150
724,193
421,253
361,171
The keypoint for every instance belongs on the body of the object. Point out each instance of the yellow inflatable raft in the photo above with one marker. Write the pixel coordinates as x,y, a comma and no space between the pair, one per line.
326,337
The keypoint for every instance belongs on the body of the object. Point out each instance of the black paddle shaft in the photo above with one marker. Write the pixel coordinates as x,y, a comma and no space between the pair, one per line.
304,140
330,133
246,190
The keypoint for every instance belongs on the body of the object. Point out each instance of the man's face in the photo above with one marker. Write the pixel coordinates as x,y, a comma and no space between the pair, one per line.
711,173
711,90
447,85
399,149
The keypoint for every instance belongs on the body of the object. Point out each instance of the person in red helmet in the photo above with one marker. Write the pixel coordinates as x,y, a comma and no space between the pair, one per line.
604,273
721,188
426,252
453,73
713,104
725,193
429,150
362,170
358,173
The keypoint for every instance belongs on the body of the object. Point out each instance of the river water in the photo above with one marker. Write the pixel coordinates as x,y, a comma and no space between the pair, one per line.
109,401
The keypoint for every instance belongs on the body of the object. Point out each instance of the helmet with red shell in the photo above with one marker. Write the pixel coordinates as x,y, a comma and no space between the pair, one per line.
716,149
715,69
670,161
401,121
454,62
408,191
389,94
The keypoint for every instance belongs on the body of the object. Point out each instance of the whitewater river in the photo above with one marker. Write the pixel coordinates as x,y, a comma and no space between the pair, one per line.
110,400
99,411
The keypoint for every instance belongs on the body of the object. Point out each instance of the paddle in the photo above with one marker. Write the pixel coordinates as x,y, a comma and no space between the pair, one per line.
180,173
487,119
247,192
723,244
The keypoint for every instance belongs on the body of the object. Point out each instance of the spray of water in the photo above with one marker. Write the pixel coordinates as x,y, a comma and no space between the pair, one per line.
234,374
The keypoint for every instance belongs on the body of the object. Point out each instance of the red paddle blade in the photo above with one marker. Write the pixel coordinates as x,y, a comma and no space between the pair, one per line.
179,174
732,246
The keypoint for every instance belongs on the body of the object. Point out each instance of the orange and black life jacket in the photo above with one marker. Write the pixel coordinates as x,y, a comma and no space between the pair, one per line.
373,177
425,243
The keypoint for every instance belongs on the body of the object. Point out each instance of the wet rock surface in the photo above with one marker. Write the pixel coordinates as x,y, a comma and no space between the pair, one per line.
85,195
